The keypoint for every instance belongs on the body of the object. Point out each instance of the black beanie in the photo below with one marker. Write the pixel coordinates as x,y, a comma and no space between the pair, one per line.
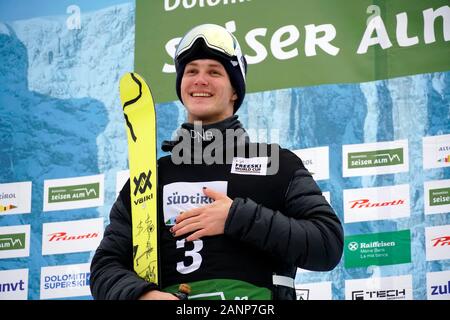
201,51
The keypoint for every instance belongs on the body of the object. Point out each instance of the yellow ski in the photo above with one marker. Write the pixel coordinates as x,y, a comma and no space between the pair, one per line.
139,112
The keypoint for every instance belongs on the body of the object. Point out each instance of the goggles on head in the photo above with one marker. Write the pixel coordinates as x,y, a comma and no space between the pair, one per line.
216,38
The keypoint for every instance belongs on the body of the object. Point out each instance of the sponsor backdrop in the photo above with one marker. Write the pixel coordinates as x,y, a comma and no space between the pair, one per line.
359,89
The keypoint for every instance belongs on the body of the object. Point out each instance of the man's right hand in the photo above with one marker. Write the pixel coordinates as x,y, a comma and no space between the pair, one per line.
157,295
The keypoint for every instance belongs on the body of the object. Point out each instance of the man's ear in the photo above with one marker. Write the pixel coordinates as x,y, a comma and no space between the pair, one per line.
234,96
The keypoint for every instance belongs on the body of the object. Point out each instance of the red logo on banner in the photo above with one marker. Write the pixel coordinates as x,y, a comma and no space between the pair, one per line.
62,236
441,241
365,203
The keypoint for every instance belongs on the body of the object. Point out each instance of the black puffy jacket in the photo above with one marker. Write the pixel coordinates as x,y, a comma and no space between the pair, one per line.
277,222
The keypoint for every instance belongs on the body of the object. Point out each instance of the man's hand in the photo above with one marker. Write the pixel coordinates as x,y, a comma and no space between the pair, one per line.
208,220
157,295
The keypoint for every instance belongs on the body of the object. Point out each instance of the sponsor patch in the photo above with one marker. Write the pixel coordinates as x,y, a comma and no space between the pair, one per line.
252,166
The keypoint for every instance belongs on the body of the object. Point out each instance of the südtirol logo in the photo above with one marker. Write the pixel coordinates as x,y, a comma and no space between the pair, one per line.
378,249
13,241
183,196
74,193
378,158
439,197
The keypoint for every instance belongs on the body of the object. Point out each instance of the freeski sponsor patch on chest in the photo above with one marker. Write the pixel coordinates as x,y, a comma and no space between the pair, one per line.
253,166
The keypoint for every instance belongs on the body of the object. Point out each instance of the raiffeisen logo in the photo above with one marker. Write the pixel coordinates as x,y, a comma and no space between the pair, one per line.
439,197
377,158
73,193
12,241
63,236
441,241
365,203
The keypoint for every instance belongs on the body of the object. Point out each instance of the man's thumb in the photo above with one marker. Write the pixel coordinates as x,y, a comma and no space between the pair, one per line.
215,195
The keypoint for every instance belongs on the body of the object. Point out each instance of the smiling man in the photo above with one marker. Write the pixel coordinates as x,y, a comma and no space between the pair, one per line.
231,228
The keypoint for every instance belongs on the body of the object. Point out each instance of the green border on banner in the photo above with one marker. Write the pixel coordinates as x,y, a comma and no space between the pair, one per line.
280,39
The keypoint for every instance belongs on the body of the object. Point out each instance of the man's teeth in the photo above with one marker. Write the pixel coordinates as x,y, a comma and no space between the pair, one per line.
202,94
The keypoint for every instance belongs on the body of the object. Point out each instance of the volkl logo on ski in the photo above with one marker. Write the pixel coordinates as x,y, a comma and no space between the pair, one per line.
141,184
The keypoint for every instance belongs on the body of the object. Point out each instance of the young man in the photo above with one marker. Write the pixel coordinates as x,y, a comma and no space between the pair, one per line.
237,218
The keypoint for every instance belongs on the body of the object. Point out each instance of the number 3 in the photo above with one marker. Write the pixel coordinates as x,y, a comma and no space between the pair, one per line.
194,253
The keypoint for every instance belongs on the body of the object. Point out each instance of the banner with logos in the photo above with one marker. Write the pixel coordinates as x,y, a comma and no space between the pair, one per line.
358,89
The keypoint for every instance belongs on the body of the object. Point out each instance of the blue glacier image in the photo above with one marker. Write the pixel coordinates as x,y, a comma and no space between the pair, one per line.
61,118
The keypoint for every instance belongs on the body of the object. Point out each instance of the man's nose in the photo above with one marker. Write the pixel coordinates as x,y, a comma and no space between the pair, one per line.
201,79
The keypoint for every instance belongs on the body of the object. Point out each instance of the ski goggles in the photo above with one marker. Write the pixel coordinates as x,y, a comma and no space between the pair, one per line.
216,38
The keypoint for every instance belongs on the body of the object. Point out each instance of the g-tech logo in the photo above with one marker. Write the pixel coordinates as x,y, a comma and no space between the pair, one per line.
71,236
437,240
377,249
65,281
436,151
316,160
371,204
15,198
375,158
14,284
182,196
438,285
387,288
14,241
437,196
73,193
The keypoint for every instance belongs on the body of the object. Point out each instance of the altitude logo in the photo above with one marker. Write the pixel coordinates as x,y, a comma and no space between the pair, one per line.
65,281
73,193
14,284
387,288
437,196
436,151
375,158
14,241
369,204
15,198
183,196
316,160
71,236
438,285
377,249
437,241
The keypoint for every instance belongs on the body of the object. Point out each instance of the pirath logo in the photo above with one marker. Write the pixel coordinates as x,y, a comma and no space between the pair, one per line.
63,236
441,241
13,241
74,193
366,203
391,294
440,289
376,158
439,197
141,184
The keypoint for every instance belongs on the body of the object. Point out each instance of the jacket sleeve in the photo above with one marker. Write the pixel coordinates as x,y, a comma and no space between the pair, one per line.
307,234
112,275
